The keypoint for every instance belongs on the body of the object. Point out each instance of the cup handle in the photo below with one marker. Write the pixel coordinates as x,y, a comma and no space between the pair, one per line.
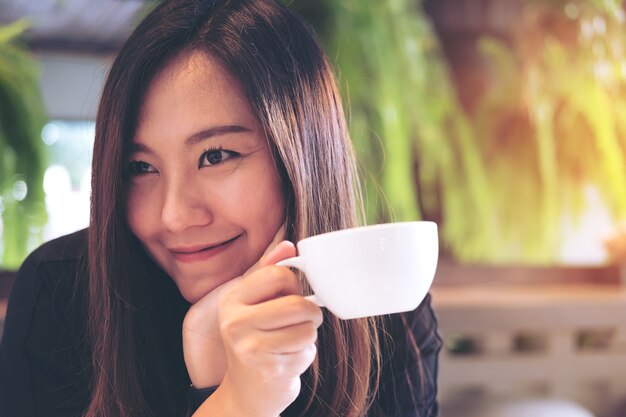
313,298
298,262
295,262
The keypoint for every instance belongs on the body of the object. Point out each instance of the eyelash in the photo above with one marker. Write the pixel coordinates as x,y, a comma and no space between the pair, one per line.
139,168
221,151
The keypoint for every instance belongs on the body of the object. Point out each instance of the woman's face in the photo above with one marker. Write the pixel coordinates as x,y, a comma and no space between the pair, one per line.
205,197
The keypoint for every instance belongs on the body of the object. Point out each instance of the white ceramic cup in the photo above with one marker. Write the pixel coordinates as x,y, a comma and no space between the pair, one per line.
369,270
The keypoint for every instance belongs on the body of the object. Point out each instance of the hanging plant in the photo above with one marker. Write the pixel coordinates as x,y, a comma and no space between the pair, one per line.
499,179
22,162
552,124
414,143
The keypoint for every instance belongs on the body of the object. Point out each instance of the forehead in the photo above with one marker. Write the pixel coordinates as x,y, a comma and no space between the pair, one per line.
191,72
193,65
193,91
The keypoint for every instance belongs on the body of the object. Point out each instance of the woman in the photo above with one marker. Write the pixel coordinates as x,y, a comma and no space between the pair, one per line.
220,133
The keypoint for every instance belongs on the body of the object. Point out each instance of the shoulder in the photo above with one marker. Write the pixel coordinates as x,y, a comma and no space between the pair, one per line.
44,297
42,346
52,270
68,248
410,350
58,260
414,331
424,328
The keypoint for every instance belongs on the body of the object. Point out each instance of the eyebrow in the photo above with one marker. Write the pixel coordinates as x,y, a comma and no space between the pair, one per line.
214,131
198,137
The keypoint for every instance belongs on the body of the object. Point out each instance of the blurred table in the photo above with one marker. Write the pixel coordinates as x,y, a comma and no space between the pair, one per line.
470,307
560,340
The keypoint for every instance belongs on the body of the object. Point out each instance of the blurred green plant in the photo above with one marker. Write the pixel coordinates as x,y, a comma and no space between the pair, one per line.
499,178
415,145
552,123
22,153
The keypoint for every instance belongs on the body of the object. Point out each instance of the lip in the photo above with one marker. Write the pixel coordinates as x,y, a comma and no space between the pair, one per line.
193,254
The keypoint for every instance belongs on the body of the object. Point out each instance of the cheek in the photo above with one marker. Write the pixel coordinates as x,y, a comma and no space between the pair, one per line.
138,214
269,198
258,201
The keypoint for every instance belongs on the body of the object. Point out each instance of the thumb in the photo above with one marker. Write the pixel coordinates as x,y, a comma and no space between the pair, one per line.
283,250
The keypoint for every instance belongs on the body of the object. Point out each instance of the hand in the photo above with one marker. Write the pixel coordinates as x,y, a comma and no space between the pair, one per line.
269,332
203,349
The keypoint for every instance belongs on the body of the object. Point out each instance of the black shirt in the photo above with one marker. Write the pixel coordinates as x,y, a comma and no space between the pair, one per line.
45,368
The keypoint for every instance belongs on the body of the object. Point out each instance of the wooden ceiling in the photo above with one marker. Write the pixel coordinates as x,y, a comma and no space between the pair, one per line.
94,26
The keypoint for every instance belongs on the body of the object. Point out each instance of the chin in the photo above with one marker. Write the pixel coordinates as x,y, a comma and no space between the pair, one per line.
193,293
198,290
192,297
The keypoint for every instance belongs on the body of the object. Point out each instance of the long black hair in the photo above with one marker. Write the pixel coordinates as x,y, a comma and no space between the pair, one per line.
290,86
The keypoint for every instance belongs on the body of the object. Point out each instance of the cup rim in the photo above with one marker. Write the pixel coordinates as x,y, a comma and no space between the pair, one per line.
349,230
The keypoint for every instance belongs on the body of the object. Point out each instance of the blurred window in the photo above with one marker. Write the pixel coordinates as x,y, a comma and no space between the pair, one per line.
67,181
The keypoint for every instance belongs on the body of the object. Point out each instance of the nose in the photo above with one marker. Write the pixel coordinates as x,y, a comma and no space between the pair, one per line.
184,206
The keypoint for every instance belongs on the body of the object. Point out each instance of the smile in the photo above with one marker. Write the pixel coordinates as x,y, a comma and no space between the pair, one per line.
190,255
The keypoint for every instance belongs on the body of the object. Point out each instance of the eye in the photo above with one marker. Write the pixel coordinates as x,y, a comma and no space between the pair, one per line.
215,157
141,168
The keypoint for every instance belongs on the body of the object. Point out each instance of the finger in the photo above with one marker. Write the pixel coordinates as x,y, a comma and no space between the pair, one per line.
291,339
265,284
287,340
281,365
287,311
283,250
295,364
